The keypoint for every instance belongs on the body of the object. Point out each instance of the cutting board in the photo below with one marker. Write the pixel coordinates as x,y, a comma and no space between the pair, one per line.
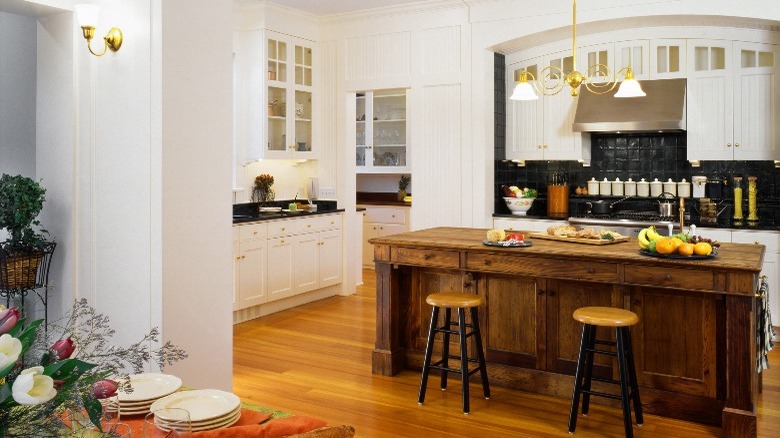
579,239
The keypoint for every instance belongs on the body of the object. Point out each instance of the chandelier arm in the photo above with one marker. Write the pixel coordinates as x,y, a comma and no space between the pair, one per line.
601,87
89,46
543,85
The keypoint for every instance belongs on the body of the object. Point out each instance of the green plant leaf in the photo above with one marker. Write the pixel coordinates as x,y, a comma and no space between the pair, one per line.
5,392
94,410
68,370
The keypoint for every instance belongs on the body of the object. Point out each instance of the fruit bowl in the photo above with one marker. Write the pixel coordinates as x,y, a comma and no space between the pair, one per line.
519,206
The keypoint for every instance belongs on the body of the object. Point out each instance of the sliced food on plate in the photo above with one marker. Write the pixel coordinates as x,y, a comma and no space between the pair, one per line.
584,233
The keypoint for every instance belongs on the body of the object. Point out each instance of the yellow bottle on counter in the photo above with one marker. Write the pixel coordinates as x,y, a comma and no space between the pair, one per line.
737,198
752,194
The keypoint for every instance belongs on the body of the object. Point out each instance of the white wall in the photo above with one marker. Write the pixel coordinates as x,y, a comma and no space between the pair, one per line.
17,95
290,177
196,141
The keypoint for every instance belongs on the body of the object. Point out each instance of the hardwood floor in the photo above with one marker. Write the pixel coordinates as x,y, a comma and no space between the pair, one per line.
316,360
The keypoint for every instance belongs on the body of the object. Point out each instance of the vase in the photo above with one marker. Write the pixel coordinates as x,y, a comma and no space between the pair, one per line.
263,196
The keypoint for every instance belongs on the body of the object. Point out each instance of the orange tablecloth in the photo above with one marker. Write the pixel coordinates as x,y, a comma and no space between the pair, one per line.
251,424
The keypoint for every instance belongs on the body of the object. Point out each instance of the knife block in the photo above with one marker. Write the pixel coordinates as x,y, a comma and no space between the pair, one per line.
558,201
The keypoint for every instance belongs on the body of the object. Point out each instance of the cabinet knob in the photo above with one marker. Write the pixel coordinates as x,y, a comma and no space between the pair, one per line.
238,257
756,242
545,146
393,215
426,256
736,145
591,270
332,222
243,256
254,232
538,146
728,145
282,240
308,226
487,262
667,276
282,228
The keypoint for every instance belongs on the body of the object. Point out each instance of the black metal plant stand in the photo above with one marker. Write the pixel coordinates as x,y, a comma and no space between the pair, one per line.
34,277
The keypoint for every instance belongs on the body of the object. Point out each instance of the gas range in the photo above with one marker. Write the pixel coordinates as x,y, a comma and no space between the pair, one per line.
626,222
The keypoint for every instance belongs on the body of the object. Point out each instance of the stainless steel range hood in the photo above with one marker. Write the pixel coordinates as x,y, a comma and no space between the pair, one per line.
663,109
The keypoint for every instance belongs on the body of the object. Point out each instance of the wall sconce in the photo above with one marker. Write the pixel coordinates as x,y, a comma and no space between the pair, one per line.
88,17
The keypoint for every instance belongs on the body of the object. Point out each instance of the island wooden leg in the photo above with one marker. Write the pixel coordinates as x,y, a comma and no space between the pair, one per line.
388,356
739,414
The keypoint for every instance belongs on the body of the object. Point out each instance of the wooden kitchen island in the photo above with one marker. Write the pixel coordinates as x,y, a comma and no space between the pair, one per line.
695,344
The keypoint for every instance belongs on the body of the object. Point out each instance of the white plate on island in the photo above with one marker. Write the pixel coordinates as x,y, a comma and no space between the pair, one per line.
149,387
202,404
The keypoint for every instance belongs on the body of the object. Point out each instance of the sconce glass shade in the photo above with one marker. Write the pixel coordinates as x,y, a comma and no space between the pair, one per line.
87,15
523,90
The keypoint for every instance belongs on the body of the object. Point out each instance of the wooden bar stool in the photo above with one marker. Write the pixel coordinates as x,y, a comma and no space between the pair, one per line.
460,301
592,317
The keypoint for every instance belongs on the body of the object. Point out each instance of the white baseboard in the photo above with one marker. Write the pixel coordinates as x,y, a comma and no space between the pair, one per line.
253,312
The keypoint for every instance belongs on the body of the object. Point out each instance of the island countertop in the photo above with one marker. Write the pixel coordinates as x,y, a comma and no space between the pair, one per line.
695,342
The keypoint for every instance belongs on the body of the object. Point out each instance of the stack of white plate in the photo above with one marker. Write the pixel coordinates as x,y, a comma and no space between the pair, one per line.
209,408
147,388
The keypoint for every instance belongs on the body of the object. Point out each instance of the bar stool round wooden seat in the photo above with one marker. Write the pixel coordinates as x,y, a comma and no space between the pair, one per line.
621,320
460,301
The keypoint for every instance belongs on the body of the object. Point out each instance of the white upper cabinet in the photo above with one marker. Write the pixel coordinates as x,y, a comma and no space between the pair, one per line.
542,129
289,95
668,59
635,54
732,101
382,131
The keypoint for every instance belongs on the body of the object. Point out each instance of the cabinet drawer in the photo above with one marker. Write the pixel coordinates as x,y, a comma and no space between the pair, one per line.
253,231
585,271
692,279
388,215
284,227
329,222
421,257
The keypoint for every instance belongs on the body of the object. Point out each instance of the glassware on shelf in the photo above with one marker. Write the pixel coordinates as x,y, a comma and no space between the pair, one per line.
737,199
752,195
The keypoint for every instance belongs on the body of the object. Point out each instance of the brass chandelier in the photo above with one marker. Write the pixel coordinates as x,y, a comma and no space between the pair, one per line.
552,78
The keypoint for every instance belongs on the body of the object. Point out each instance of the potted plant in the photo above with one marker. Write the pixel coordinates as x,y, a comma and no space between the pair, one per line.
21,200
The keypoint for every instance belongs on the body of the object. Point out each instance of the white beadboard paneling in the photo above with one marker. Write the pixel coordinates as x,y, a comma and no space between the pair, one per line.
327,119
378,56
441,51
439,147
753,129
709,111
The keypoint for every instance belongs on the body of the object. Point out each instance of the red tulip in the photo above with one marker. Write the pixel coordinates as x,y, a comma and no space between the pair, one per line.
62,349
104,389
8,318
58,383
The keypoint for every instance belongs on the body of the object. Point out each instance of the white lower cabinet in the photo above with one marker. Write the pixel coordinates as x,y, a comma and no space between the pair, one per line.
284,258
379,221
771,268
249,265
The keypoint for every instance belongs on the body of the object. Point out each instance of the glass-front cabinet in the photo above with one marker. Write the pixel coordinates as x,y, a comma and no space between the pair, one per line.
289,92
382,134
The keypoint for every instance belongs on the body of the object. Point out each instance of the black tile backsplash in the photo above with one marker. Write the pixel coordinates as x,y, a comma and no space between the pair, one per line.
648,156
499,133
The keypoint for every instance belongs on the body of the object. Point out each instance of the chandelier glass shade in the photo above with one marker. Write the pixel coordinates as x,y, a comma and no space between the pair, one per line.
597,79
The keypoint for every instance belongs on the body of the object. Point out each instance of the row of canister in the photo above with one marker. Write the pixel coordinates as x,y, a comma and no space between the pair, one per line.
654,188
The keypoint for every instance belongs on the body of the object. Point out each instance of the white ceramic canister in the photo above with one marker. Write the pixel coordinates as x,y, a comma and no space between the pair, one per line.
699,184
630,187
684,189
593,186
617,187
605,187
643,188
670,187
656,188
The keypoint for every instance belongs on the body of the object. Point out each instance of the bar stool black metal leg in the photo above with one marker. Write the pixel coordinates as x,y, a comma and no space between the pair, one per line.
445,348
464,359
632,374
588,369
428,352
575,398
480,352
624,377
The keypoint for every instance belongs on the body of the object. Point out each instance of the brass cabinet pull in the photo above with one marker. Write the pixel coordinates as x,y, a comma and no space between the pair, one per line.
756,242
545,146
426,256
667,276
254,232
243,256
238,257
538,146
488,262
309,225
728,145
736,145
282,240
591,270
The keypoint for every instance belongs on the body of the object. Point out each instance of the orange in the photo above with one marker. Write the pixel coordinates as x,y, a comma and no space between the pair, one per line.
702,248
677,242
665,245
685,249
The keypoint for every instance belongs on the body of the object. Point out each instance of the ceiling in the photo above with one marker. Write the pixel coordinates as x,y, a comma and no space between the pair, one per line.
328,7
28,8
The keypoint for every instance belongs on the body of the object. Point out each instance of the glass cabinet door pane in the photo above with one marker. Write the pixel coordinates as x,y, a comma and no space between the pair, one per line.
277,120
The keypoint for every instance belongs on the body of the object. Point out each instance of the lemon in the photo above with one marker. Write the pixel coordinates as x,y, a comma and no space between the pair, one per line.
702,248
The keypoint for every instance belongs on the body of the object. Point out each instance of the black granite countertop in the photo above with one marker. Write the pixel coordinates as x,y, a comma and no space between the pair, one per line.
248,212
762,225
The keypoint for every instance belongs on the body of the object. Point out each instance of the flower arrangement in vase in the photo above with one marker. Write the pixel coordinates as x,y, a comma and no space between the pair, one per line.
52,389
262,192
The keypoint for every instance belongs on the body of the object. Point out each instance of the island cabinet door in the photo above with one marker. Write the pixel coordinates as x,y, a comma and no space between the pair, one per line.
512,320
676,342
424,283
564,333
